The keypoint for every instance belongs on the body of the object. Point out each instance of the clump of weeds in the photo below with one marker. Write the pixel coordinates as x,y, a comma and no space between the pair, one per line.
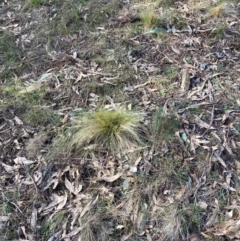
116,130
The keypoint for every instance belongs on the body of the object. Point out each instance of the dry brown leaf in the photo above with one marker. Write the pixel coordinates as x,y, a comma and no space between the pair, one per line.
226,185
65,119
221,161
73,188
24,231
88,206
128,207
206,236
56,200
62,202
187,65
54,179
202,204
185,80
216,136
225,144
55,236
73,232
137,161
76,212
193,106
181,193
237,163
4,218
126,236
212,220
21,239
18,121
198,141
80,76
203,124
149,238
33,221
230,228
69,185
111,178
17,145
215,157
175,50
234,212
37,176
23,161
10,168
238,101
228,178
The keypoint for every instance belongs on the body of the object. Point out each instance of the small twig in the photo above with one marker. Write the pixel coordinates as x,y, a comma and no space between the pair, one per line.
193,106
211,121
107,82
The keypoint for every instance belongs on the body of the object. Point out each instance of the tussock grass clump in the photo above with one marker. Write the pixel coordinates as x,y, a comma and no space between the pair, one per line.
219,9
149,18
172,224
177,222
116,131
223,9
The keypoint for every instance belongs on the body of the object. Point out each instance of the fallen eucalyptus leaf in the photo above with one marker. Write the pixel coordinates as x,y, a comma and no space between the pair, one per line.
185,80
111,178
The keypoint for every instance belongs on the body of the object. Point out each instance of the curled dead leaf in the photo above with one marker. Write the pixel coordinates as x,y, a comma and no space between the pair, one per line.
111,178
10,168
230,228
56,200
181,193
74,188
203,124
23,161
4,218
212,220
73,232
88,206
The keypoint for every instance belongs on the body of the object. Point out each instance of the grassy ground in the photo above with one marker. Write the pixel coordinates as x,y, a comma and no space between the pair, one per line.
119,120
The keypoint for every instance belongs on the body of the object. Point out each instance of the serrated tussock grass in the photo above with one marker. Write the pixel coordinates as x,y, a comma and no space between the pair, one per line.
116,131
223,8
149,18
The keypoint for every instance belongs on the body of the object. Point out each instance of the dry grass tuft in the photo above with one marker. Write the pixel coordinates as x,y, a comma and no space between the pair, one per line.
172,224
116,131
149,18
223,7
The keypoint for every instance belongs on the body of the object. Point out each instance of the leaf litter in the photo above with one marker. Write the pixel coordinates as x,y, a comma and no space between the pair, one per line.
189,68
